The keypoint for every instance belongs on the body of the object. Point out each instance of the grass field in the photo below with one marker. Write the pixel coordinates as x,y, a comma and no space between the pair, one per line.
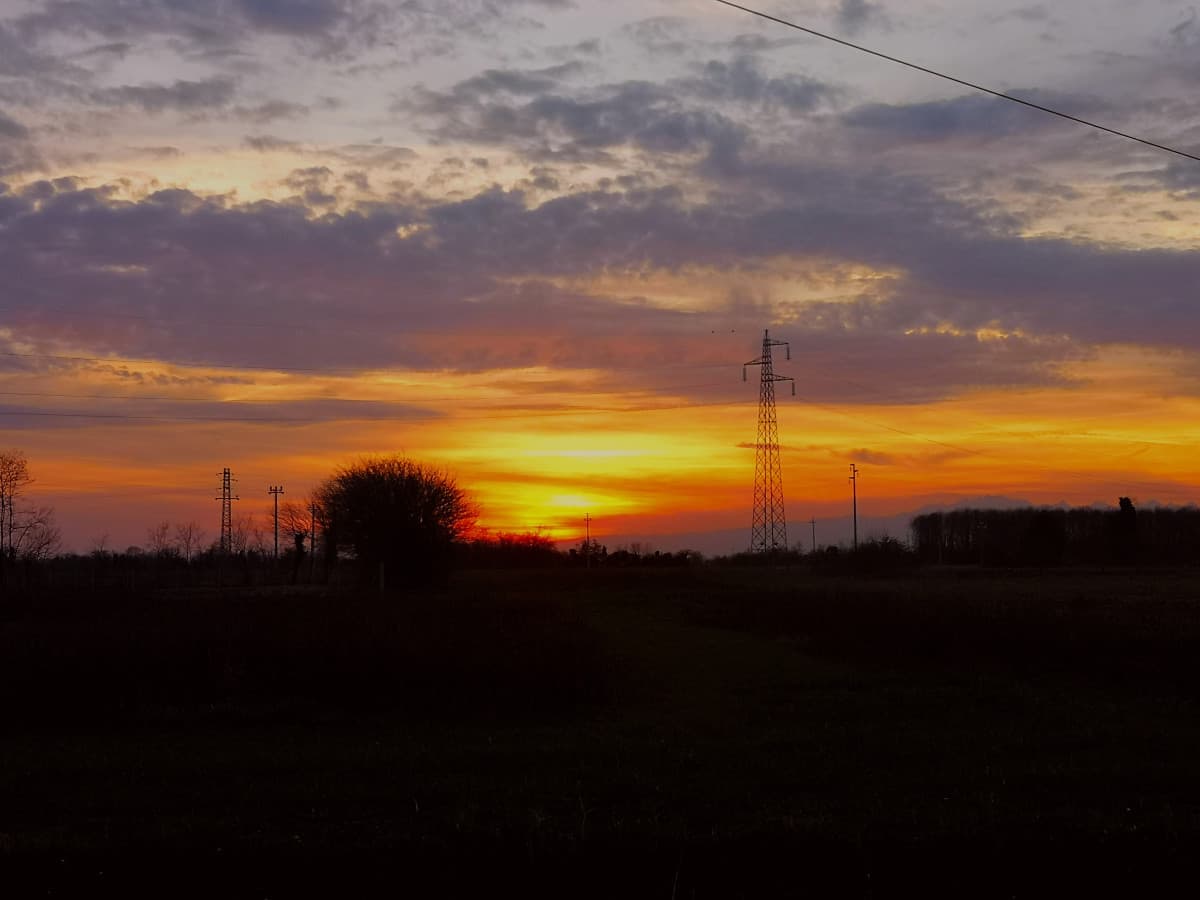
701,732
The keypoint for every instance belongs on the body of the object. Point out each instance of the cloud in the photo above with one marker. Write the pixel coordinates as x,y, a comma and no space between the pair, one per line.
162,152
182,96
265,143
496,280
66,413
516,81
660,35
17,152
375,156
270,111
970,117
871,457
11,129
550,125
545,119
293,16
1180,178
318,28
853,16
312,185
741,81
201,27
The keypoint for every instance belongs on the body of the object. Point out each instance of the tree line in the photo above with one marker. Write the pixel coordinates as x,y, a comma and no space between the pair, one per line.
392,521
1059,536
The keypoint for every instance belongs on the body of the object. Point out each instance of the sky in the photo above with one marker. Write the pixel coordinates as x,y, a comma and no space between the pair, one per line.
533,241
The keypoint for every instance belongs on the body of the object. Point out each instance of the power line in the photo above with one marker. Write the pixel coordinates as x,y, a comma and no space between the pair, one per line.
960,81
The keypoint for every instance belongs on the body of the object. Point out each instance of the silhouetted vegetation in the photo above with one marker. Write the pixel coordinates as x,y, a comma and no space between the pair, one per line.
396,518
1056,536
508,551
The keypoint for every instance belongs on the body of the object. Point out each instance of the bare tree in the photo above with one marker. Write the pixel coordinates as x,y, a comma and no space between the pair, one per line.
261,538
295,521
158,539
14,478
35,534
243,530
189,538
100,546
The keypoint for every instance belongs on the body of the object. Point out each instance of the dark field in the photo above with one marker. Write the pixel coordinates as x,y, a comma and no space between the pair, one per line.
678,733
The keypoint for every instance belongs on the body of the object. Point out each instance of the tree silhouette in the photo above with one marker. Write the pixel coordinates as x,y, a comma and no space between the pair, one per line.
28,533
14,478
1126,530
393,512
189,537
158,539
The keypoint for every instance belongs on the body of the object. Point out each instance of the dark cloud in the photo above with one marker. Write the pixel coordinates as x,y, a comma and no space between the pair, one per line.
42,413
515,81
17,152
545,120
270,111
163,152
375,156
11,129
20,59
855,15
182,96
322,28
312,184
968,117
1181,178
484,282
267,142
589,48
1186,33
551,125
741,81
1034,13
215,27
293,16
661,35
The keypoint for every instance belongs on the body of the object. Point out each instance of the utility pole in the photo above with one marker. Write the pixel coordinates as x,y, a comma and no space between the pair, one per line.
587,540
227,497
854,495
813,523
276,490
768,527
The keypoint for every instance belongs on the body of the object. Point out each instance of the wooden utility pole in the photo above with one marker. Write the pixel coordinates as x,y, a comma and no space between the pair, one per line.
276,490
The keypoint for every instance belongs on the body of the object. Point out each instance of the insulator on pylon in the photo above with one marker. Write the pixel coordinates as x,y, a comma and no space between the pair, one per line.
793,389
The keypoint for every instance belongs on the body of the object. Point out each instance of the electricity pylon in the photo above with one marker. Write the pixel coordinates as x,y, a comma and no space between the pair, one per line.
227,497
768,529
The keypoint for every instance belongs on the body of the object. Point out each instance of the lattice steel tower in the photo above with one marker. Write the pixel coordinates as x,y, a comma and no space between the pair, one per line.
768,529
227,497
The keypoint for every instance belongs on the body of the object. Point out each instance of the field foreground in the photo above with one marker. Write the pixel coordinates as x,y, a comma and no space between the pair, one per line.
679,733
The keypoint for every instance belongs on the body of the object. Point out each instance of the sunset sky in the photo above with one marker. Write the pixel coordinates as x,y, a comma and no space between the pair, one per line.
533,241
